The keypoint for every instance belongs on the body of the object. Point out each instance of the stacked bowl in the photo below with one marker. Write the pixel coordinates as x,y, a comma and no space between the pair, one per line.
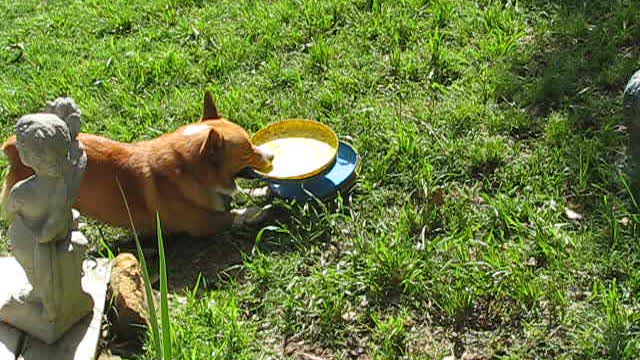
309,160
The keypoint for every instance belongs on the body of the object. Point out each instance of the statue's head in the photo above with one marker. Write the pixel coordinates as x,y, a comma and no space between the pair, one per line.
67,110
43,142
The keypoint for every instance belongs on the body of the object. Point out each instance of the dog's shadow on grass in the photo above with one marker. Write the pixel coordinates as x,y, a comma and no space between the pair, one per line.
189,258
208,260
198,259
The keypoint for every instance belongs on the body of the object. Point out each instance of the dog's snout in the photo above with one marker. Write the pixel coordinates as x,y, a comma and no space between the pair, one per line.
262,159
267,155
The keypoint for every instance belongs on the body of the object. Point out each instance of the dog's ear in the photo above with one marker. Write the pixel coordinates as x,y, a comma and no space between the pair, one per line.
211,142
209,110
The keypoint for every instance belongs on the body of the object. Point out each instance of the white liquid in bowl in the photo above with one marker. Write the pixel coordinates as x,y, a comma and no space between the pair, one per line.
296,156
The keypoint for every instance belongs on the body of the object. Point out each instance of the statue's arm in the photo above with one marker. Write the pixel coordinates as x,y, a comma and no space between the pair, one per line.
16,200
59,221
56,224
59,218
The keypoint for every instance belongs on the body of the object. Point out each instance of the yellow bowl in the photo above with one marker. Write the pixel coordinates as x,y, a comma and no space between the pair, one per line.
300,148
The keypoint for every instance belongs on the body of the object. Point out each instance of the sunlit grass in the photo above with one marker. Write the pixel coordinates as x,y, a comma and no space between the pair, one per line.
479,122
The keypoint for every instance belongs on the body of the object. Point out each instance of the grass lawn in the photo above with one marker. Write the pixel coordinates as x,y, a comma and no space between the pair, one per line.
491,218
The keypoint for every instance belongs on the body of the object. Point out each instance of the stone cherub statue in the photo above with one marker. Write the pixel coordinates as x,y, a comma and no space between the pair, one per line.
67,110
632,118
43,233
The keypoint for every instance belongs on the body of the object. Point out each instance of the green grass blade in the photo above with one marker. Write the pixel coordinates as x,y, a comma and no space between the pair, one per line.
259,236
194,292
629,191
104,246
164,304
153,319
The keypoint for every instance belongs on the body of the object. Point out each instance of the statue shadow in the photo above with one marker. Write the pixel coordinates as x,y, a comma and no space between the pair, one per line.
578,67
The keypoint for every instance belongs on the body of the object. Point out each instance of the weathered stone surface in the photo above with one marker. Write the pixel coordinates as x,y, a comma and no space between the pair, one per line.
80,342
10,339
129,310
43,239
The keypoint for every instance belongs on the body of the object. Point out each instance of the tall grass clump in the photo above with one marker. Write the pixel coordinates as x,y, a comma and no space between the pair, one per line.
160,330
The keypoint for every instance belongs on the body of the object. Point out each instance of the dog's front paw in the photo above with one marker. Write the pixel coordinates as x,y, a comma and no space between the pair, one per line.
261,192
250,216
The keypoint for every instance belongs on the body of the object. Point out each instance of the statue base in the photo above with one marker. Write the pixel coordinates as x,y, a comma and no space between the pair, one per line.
80,337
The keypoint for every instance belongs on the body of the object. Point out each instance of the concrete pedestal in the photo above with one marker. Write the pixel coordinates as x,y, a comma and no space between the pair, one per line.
79,342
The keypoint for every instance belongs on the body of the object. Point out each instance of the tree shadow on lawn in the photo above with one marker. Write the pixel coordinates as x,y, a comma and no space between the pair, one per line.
590,50
578,68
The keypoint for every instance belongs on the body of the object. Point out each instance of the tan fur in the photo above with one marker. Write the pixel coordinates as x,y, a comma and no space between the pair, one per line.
182,175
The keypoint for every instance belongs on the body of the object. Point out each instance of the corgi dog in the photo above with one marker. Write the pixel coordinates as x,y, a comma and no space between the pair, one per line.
186,176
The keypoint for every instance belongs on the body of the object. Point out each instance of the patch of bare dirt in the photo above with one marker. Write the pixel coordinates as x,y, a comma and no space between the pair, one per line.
300,350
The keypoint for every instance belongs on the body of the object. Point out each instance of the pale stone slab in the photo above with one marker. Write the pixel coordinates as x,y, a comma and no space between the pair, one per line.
80,342
12,281
10,338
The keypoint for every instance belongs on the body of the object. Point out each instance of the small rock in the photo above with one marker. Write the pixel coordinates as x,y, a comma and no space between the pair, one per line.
129,300
108,356
572,214
356,352
349,316
620,129
364,303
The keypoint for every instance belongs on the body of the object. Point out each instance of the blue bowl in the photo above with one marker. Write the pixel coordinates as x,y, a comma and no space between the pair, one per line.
339,177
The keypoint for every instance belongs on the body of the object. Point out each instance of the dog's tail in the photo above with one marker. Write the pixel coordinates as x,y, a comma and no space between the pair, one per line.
6,188
3,201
